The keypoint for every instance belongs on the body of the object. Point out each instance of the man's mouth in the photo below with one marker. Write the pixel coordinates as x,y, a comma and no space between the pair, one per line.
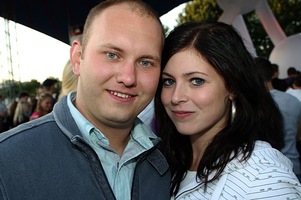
118,94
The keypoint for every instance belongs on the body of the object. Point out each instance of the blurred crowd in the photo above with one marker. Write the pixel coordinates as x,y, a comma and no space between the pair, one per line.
26,107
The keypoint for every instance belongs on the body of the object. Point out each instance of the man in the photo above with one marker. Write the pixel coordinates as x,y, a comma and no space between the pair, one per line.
291,74
49,86
278,84
93,146
295,90
290,109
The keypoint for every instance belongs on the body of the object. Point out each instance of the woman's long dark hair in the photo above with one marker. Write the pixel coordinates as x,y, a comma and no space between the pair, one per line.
257,117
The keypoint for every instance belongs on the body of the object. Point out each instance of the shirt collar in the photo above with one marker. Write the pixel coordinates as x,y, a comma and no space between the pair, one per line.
140,132
83,124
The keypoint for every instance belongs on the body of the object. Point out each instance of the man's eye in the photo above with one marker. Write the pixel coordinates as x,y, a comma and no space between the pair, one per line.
197,81
145,63
168,82
111,55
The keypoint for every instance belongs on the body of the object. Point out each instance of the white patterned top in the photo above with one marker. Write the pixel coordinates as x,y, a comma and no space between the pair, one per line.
267,174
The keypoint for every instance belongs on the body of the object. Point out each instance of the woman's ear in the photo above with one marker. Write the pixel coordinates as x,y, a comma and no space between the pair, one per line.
75,56
232,96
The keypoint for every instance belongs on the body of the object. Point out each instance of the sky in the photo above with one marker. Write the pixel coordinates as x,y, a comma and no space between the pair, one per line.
38,56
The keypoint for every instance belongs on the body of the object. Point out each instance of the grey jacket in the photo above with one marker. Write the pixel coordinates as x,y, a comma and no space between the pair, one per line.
47,158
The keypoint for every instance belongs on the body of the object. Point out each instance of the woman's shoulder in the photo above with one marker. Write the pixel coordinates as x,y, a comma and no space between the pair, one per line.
263,154
262,158
266,173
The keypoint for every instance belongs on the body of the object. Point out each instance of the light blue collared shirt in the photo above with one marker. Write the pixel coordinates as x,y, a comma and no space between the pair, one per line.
119,170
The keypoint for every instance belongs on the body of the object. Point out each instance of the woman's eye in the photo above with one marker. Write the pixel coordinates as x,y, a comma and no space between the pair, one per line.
111,55
168,82
197,81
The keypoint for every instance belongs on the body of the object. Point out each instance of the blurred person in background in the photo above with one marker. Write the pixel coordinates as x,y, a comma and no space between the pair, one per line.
295,90
290,109
43,107
69,80
22,112
3,115
291,74
23,96
50,86
278,84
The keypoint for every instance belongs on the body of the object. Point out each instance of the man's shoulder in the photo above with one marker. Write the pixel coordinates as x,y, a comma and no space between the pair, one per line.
293,101
27,129
285,98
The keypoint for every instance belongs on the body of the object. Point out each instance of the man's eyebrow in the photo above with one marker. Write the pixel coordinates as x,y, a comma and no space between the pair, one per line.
146,56
112,46
151,57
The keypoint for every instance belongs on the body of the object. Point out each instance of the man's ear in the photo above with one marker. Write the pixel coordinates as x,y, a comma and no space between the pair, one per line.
75,56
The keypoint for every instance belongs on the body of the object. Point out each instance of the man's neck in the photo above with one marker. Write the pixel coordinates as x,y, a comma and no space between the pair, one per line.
118,139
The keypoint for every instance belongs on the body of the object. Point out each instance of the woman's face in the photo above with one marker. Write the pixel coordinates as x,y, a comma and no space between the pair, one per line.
194,95
46,104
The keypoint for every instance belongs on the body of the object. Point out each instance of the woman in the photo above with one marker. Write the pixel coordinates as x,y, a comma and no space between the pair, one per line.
43,107
69,80
219,125
22,112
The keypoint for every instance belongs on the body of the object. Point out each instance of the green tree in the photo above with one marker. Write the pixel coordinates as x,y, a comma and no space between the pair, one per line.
8,89
30,86
166,29
287,12
200,10
12,89
288,15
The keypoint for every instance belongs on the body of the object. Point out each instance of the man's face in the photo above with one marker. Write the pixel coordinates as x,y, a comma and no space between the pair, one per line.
120,68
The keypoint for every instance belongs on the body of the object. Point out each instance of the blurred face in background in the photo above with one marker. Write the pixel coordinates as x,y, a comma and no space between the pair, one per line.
47,104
